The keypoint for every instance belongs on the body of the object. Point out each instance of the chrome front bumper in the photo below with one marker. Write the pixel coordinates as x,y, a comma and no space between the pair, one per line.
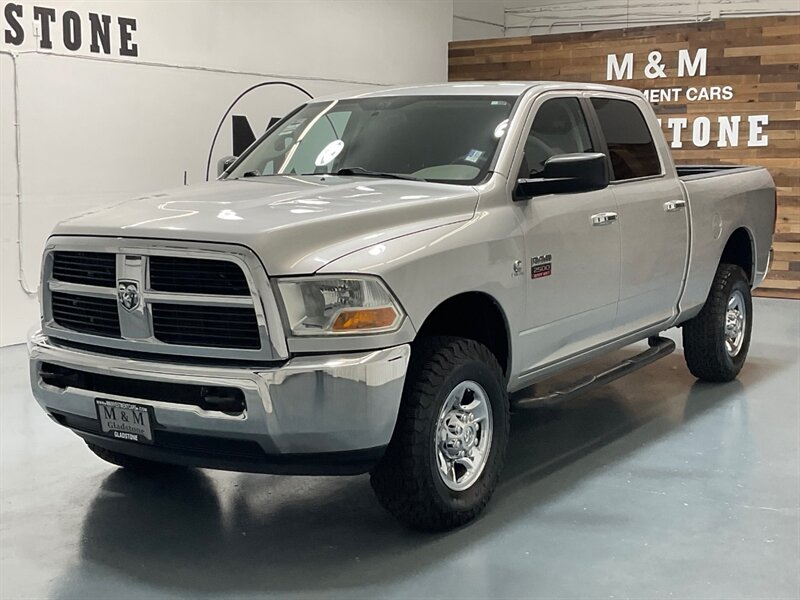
320,406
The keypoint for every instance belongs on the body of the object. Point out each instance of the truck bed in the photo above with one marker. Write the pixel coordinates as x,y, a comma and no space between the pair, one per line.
702,171
722,199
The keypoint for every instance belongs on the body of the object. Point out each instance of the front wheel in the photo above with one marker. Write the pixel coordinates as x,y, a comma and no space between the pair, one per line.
716,341
448,447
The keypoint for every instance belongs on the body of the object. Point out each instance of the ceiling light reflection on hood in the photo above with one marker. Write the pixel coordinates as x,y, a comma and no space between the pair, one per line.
228,215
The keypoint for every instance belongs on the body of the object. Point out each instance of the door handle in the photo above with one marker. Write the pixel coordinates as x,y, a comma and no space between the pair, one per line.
604,218
674,205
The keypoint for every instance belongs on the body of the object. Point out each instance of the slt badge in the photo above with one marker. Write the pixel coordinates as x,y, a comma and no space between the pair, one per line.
128,294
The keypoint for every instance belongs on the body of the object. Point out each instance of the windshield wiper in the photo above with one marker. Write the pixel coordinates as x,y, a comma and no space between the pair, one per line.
361,171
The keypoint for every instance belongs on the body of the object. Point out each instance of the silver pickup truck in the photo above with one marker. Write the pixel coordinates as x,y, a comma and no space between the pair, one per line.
363,289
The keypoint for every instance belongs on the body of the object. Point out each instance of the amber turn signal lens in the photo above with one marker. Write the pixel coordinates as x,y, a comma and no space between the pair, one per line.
365,318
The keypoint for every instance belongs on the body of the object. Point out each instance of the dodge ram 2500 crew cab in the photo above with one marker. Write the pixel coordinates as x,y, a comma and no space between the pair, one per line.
362,289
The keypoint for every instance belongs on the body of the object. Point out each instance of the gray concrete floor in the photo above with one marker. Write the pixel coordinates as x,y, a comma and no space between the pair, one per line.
653,487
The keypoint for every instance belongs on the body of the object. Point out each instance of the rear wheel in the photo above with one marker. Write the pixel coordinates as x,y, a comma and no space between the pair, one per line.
448,447
716,341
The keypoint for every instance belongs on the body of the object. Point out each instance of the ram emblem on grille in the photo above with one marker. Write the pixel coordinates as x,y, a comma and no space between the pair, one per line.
128,294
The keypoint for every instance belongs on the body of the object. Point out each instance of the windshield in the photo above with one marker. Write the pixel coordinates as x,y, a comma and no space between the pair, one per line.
434,138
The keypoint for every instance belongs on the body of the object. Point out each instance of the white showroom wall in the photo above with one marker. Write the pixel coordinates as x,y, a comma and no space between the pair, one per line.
538,17
95,127
479,19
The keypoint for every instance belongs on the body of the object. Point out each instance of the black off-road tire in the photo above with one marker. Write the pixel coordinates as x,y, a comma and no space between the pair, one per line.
131,463
704,335
406,481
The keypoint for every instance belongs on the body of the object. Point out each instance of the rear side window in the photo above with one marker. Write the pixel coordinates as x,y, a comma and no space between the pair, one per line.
630,145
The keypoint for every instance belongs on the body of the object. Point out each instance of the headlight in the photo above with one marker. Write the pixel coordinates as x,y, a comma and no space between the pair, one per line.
339,305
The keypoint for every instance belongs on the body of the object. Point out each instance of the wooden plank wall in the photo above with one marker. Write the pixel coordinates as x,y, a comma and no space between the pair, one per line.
756,57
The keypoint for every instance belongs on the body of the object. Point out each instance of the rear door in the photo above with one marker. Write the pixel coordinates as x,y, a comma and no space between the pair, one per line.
653,214
572,260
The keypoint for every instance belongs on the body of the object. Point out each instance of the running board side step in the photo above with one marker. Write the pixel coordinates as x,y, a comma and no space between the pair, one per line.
659,348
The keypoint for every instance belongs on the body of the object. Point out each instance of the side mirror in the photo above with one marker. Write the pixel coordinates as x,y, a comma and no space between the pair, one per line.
566,173
223,164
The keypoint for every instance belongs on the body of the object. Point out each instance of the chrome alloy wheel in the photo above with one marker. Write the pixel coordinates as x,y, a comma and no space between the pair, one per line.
735,323
463,435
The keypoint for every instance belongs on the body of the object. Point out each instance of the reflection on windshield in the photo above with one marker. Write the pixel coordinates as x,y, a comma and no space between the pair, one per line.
432,138
329,152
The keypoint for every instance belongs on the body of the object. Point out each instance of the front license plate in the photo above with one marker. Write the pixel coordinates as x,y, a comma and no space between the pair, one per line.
124,421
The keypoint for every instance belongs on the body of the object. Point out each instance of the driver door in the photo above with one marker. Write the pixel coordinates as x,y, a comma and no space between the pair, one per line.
573,268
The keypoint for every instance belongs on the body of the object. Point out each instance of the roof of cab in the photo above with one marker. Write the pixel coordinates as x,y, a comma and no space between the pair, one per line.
480,88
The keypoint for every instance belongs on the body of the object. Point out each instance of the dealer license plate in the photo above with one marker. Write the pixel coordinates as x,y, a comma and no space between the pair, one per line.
124,421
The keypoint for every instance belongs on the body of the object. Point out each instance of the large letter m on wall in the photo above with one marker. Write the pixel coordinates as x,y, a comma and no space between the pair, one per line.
615,70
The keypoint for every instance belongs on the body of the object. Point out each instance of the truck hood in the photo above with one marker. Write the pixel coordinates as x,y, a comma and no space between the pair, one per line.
296,225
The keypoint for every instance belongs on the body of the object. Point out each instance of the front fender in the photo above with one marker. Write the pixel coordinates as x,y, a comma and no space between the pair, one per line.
428,267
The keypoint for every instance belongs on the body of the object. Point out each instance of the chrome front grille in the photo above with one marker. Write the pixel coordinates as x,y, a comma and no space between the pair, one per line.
97,316
197,276
211,326
152,297
89,268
